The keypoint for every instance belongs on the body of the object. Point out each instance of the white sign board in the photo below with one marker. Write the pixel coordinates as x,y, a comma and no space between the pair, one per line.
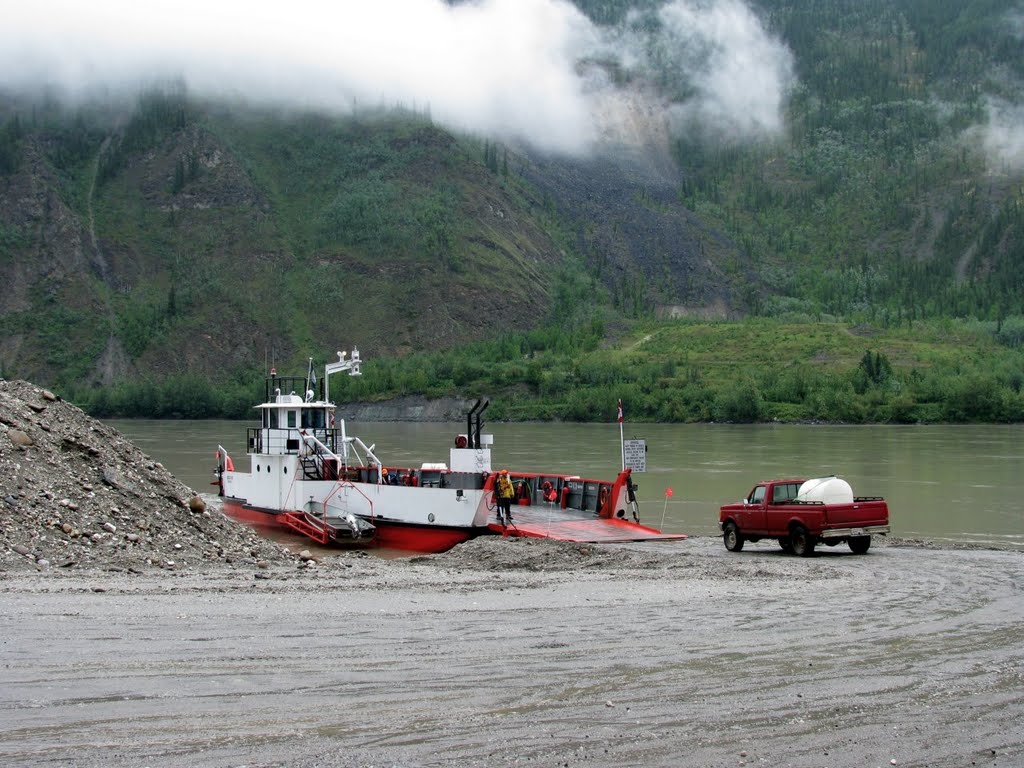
635,453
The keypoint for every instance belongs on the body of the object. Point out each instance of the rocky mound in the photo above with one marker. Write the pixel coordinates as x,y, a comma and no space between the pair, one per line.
515,553
76,493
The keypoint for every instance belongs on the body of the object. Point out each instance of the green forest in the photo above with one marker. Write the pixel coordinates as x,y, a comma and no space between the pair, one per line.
750,371
875,266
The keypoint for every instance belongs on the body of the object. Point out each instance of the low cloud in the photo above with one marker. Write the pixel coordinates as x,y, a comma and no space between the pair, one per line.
1003,135
536,71
740,75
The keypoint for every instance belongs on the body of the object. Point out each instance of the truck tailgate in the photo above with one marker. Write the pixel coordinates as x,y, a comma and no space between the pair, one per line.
857,515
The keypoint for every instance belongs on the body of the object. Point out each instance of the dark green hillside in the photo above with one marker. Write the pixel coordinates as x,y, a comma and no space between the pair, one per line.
880,203
162,245
185,238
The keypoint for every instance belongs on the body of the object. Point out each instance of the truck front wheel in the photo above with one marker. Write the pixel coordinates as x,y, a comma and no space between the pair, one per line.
732,537
801,541
859,544
785,544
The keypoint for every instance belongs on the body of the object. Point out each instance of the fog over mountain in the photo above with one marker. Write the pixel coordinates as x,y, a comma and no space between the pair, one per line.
1003,135
536,71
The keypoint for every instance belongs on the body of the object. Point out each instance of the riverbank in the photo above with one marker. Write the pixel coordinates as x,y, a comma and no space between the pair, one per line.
523,652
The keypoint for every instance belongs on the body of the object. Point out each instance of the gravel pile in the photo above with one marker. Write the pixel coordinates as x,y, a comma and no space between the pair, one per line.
514,553
75,493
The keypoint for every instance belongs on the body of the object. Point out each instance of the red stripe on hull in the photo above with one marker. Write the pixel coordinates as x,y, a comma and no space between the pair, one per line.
415,538
236,510
390,535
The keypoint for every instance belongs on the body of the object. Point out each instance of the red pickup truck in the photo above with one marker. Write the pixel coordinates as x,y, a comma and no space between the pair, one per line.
803,513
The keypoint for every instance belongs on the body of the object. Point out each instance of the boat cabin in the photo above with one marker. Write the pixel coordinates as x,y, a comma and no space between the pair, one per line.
284,416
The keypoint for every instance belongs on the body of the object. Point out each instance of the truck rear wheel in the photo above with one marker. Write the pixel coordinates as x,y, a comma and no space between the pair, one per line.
785,543
859,544
801,541
732,537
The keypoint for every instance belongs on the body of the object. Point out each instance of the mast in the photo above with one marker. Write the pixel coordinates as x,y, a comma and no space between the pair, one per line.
622,439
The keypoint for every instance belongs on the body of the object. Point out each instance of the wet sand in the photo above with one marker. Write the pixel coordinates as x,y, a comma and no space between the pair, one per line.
662,654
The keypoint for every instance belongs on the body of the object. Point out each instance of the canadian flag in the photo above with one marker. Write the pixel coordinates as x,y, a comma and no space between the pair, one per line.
620,411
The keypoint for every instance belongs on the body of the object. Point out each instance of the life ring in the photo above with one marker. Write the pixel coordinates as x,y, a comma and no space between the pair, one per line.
602,497
461,442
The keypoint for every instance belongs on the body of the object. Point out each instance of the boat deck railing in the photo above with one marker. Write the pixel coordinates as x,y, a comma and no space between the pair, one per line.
288,440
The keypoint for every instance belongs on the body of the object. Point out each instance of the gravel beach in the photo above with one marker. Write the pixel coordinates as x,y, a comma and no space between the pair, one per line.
524,652
141,627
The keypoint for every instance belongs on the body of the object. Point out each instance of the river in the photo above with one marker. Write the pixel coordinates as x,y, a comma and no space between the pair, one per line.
950,484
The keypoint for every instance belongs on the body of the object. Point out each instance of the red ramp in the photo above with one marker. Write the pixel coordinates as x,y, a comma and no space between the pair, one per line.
551,522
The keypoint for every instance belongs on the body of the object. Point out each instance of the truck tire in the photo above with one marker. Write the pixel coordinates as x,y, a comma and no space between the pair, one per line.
785,543
732,537
859,544
801,541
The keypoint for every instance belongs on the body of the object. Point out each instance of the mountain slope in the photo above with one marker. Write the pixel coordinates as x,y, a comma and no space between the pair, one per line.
171,236
209,243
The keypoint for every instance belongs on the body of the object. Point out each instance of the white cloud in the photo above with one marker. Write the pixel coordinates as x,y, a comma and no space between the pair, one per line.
506,68
740,74
1003,135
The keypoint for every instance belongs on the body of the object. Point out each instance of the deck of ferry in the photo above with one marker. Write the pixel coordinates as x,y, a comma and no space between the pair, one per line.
548,521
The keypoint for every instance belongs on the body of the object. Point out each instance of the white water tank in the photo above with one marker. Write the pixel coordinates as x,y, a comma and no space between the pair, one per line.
828,490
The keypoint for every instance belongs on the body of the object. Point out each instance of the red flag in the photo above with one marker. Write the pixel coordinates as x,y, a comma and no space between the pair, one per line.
668,493
620,411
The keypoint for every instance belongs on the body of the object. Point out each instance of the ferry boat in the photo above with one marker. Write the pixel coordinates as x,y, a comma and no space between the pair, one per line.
309,475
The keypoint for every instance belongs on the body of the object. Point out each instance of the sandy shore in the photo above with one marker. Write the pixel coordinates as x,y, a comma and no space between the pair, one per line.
525,653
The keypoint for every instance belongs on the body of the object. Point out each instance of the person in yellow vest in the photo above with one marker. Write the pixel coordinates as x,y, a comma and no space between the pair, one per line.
504,491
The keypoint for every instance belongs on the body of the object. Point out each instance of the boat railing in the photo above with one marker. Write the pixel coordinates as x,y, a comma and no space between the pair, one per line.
326,464
352,444
275,385
371,458
281,440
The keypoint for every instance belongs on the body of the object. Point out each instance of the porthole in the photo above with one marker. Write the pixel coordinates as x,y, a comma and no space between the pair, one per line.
285,470
430,517
257,467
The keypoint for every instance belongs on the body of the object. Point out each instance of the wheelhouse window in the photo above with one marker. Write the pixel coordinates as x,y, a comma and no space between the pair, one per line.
292,420
313,418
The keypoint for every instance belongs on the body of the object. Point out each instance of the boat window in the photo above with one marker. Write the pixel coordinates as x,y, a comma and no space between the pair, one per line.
312,419
273,418
291,420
